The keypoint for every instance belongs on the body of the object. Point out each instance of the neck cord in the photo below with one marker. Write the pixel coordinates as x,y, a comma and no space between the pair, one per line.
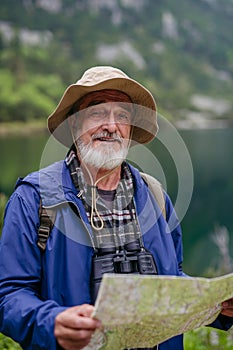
94,200
74,168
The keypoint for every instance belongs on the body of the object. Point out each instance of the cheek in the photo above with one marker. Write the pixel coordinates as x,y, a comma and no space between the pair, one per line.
126,131
86,131
88,127
83,130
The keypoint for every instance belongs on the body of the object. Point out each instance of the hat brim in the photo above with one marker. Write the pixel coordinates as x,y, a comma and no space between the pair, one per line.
145,126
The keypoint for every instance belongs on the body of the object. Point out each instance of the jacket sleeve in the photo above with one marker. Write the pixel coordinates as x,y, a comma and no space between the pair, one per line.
24,316
222,322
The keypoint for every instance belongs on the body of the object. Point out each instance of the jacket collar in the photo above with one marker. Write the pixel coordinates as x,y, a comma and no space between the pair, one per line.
56,186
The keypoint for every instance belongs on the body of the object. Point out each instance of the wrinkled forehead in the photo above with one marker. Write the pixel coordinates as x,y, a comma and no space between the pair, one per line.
102,96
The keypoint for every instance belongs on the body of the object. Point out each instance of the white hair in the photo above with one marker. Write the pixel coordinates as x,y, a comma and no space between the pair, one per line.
102,156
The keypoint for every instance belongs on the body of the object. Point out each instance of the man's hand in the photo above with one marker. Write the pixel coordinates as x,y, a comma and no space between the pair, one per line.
227,308
74,327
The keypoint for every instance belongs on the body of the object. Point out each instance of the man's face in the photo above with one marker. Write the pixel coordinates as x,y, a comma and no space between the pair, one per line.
102,128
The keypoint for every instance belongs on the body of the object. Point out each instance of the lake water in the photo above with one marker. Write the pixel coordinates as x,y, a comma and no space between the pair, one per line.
203,166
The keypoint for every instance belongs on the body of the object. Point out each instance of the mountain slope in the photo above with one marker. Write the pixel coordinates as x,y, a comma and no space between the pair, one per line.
182,51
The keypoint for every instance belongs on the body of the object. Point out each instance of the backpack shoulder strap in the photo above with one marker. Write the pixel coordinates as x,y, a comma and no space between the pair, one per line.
156,188
47,217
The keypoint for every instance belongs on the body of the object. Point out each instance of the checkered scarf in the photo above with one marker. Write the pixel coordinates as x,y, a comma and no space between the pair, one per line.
120,225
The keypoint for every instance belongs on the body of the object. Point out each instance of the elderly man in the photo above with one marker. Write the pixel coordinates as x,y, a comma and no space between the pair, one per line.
105,212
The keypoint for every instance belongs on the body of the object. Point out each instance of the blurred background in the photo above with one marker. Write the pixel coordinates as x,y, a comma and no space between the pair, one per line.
181,50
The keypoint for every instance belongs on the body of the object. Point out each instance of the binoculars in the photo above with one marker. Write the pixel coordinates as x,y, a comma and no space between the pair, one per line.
131,259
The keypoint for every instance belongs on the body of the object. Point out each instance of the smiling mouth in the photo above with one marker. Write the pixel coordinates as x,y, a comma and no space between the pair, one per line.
106,138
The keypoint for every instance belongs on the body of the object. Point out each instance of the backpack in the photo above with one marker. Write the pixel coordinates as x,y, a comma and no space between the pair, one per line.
48,215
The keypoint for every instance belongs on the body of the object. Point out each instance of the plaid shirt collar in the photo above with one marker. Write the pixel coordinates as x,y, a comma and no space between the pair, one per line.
120,225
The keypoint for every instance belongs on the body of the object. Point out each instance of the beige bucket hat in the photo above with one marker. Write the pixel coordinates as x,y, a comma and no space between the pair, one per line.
100,78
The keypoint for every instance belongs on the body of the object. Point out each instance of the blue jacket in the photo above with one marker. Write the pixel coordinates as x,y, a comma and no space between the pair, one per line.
35,287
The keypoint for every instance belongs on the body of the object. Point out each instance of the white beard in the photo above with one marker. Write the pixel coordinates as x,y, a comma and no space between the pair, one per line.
102,156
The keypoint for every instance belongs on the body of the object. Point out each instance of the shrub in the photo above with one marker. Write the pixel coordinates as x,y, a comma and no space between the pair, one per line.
8,344
205,338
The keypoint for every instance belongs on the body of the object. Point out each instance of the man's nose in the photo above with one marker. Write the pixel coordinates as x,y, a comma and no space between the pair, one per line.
109,122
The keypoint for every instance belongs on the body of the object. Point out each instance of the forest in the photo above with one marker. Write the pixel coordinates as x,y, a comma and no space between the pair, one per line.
182,53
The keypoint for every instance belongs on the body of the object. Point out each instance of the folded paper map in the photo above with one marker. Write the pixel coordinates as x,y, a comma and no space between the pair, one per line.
142,311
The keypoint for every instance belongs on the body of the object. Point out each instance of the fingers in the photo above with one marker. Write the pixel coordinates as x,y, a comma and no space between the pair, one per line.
74,340
227,308
75,326
77,317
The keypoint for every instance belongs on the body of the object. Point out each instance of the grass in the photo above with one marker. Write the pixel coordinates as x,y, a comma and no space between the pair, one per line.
203,338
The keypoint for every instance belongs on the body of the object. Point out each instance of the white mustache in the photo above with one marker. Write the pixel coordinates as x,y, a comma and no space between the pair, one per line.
112,136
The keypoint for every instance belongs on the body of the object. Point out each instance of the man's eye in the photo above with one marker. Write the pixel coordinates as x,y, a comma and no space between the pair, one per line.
95,114
124,117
